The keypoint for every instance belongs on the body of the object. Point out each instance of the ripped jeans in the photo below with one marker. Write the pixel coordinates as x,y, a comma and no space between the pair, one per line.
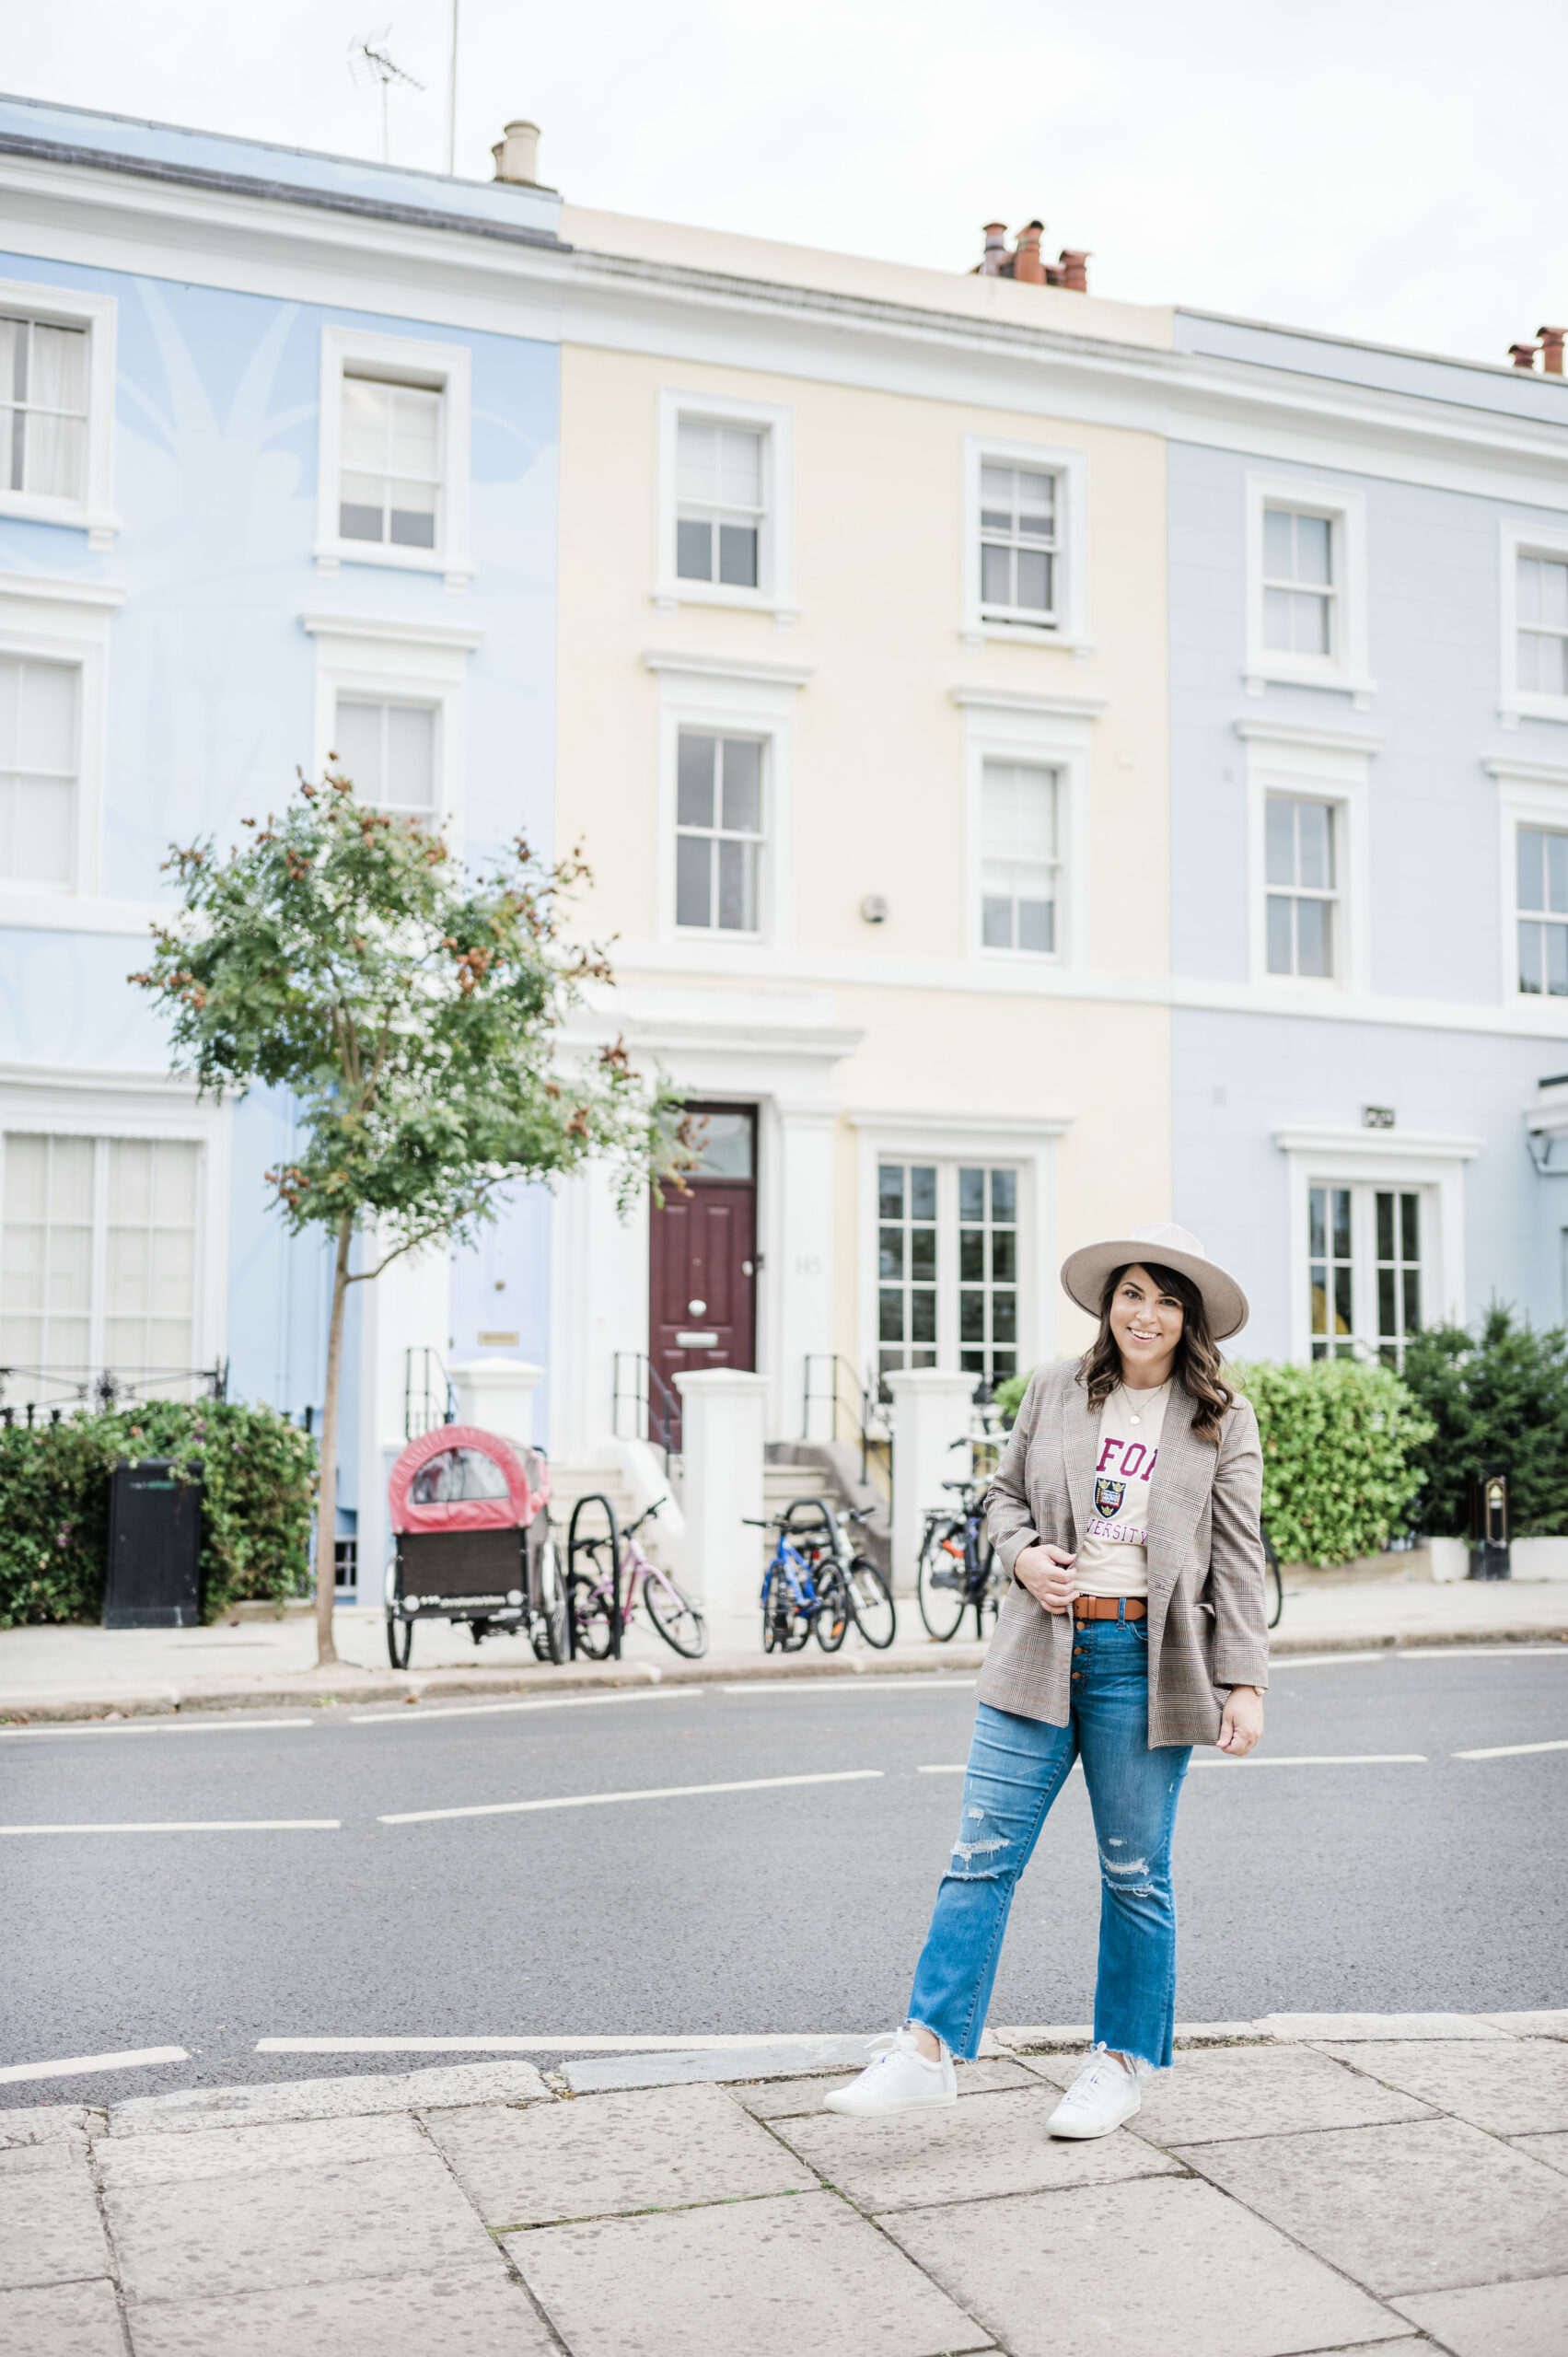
1017,1766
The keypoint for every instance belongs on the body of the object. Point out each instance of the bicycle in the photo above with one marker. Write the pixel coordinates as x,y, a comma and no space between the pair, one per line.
590,1597
812,1584
957,1566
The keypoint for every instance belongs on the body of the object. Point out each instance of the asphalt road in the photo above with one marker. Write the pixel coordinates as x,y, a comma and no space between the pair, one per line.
1434,1884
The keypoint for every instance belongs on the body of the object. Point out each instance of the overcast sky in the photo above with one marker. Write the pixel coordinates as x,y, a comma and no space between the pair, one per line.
1388,168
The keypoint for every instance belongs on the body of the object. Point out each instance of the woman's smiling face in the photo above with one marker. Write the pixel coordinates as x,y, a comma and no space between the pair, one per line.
1146,1325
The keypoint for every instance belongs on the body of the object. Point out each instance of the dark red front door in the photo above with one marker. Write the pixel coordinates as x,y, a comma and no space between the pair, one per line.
702,1259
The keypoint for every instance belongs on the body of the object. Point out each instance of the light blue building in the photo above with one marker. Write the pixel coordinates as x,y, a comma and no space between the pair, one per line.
1369,832
278,443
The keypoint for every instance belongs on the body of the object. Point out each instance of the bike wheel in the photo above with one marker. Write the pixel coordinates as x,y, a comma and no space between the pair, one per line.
871,1602
400,1641
939,1582
674,1615
593,1616
785,1626
832,1620
1274,1581
550,1637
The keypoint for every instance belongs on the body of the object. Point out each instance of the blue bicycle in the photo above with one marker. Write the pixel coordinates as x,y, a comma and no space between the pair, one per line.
812,1584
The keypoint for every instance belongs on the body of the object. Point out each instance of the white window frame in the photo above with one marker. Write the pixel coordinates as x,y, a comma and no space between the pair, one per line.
724,699
68,306
1026,1143
1516,703
1349,668
92,1103
1071,468
1040,732
1311,765
1336,1157
398,663
44,620
1530,794
775,593
446,368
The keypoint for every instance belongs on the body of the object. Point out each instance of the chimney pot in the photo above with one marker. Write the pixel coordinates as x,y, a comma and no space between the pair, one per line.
517,155
991,263
1523,355
1026,264
1551,349
1075,268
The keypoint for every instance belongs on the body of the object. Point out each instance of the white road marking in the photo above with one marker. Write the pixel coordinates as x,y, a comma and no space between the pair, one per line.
726,2045
199,1825
400,1716
845,1684
1323,1759
134,2059
1509,1750
161,1726
1502,1651
654,1793
944,1768
1324,1661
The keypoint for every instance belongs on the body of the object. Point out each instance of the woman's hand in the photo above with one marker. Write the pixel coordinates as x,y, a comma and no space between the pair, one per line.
1241,1723
1047,1572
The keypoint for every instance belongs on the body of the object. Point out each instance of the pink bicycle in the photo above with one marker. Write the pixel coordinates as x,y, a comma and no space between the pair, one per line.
595,1622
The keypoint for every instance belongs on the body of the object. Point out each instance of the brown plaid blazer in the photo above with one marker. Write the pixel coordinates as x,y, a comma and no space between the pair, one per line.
1207,1628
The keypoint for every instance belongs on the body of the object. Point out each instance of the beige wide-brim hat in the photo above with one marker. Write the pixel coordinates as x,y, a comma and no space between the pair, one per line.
1084,1272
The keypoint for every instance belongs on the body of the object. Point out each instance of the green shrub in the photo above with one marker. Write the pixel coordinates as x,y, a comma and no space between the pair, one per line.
259,1482
1009,1395
1501,1398
1340,1451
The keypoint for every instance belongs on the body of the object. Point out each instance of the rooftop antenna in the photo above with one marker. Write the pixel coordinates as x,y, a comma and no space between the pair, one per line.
368,62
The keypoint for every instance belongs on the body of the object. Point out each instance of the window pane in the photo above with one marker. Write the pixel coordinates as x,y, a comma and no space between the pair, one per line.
1005,1256
366,411
416,443
1556,940
1277,619
1553,599
1316,1222
412,518
995,576
1281,953
742,786
891,1315
1037,502
1036,926
971,1194
890,1191
1532,868
693,880
922,1192
1557,874
736,898
972,1256
1315,937
1310,632
741,468
923,1254
1004,1317
996,924
1412,1301
1342,1222
1004,1195
1531,978
1034,579
890,1252
360,516
47,719
42,817
737,555
1388,1323
411,757
1409,1226
358,747
1343,1323
1279,557
1313,545
996,490
1316,841
1385,1227
697,448
1279,840
971,1316
694,548
922,1314
695,761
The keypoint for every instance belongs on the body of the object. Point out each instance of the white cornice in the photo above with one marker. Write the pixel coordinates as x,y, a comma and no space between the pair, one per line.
390,632
63,589
1317,741
1528,773
1015,699
876,1118
722,666
1378,1145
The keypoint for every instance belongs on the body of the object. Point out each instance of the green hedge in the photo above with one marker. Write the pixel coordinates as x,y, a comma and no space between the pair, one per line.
259,1482
1340,1443
1497,1395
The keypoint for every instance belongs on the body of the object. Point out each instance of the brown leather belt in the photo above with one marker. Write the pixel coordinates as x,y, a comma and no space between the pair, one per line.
1108,1607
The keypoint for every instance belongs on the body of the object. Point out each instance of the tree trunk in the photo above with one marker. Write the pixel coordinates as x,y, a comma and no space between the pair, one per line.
327,1480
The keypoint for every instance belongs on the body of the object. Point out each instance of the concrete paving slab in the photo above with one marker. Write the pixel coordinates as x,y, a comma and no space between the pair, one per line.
969,2151
1224,2092
1419,2207
1049,2036
1552,2150
749,2279
1497,2319
257,2152
457,2314
789,2098
597,2073
64,2320
50,2228
604,2155
37,2124
340,2098
61,2154
1549,2023
1518,2090
1344,2026
313,2226
1162,2265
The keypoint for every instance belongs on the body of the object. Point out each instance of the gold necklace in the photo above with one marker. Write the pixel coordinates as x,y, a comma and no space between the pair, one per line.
1159,1389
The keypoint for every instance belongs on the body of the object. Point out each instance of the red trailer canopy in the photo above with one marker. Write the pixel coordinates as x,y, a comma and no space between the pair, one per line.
458,1477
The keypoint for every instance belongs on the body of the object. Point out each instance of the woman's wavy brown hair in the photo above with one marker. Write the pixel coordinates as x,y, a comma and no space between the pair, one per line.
1198,1361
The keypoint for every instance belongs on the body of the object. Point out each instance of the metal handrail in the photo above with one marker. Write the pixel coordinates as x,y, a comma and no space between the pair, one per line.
432,1403
870,1420
655,1409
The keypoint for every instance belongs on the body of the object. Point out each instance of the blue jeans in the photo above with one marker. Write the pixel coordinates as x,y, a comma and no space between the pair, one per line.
1017,1766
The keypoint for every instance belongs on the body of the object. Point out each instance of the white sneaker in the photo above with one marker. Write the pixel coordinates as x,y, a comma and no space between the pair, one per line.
1104,2093
900,2079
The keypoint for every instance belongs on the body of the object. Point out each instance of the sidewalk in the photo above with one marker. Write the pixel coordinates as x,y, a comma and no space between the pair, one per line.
1295,2185
68,1672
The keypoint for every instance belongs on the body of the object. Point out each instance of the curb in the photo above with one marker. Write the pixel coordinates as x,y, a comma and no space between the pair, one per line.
373,1687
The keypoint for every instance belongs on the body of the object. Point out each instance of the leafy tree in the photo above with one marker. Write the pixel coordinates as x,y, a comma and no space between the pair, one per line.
414,1013
1499,1397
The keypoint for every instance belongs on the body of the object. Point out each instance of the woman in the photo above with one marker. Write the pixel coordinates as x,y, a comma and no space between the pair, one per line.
1126,1508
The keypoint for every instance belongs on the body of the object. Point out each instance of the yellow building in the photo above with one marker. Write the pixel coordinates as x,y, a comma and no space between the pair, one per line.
862,726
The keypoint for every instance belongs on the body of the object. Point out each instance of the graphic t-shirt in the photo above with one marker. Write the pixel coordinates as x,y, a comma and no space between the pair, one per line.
1113,1555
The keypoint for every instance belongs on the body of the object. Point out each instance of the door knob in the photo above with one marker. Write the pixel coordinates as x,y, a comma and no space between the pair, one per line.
696,1308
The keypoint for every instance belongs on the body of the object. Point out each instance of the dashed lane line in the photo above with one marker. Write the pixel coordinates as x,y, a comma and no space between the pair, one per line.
1509,1750
728,2044
73,2066
401,1716
163,1726
652,1793
843,1682
1322,1760
198,1825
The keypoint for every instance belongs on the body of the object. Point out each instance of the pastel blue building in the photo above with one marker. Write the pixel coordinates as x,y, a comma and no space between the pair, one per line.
277,475
1369,832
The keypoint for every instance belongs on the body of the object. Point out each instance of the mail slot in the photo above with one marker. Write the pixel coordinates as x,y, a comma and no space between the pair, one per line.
697,1341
